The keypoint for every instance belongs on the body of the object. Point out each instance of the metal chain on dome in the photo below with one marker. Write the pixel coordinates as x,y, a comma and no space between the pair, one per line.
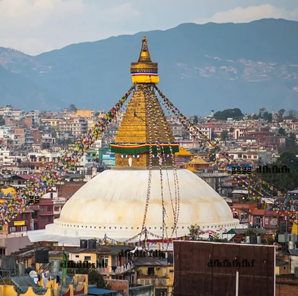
156,113
177,200
159,152
167,132
150,168
154,118
160,160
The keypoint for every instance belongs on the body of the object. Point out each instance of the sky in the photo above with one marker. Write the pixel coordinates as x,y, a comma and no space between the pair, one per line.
36,26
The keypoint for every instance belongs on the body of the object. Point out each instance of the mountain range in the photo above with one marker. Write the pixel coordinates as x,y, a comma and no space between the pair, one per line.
201,67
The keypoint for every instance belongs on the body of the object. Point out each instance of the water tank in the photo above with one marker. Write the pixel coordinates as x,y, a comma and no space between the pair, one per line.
55,266
253,240
91,244
281,238
41,256
83,244
31,224
21,267
291,245
7,263
259,240
170,258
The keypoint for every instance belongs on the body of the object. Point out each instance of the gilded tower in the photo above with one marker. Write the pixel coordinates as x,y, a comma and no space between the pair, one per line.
139,134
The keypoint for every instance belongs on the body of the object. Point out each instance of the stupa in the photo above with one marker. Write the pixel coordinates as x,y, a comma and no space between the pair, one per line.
139,192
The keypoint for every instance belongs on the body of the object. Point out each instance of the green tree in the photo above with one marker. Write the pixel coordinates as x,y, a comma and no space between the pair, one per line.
224,135
290,160
286,181
2,121
291,114
94,277
195,119
231,129
280,115
228,113
281,132
268,116
255,116
72,108
194,231
291,145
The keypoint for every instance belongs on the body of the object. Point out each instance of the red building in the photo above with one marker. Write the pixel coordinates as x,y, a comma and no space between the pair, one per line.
265,138
45,213
20,224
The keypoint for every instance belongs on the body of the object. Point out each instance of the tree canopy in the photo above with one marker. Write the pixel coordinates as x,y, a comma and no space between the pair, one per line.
2,121
224,135
283,181
195,119
72,108
228,113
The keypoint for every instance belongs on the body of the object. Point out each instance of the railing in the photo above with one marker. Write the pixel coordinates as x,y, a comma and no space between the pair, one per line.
115,269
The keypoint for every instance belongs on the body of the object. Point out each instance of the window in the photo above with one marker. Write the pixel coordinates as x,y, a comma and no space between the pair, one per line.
161,292
150,270
13,229
42,208
50,219
19,182
56,209
103,261
23,228
43,219
243,217
50,208
87,258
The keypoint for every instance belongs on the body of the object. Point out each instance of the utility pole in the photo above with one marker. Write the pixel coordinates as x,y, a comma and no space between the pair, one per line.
237,283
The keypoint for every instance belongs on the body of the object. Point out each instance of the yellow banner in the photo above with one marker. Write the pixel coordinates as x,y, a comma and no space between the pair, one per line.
19,223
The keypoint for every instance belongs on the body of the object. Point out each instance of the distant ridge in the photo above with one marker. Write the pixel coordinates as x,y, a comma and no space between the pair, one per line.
201,67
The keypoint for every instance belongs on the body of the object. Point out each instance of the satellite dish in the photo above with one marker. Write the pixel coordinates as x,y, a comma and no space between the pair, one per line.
33,274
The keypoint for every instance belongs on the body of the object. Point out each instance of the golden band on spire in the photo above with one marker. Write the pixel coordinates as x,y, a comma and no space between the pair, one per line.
145,54
144,71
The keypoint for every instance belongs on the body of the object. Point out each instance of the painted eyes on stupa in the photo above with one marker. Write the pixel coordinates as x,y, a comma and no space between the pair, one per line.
126,156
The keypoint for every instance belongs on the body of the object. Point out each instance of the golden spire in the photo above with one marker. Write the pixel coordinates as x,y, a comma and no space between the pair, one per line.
145,54
135,138
144,71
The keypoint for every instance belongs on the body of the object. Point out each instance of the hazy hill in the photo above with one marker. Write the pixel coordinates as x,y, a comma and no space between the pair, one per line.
202,67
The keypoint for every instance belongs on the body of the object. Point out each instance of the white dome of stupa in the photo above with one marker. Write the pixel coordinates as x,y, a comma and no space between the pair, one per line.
113,204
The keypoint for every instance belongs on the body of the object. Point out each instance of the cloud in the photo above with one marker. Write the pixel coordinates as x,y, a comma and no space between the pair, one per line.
35,26
123,11
248,14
